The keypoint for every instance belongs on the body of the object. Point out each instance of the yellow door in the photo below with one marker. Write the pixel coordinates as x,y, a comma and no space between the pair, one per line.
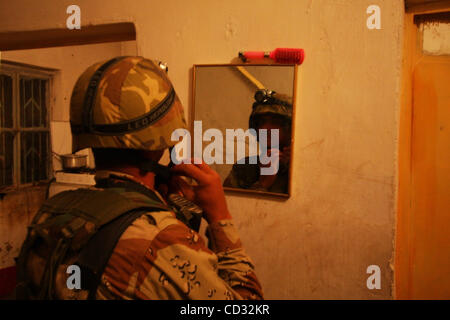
429,248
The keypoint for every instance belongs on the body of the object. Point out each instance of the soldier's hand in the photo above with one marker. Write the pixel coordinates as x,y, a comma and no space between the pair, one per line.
207,193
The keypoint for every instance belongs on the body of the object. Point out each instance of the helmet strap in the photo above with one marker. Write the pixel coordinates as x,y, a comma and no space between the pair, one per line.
162,172
91,94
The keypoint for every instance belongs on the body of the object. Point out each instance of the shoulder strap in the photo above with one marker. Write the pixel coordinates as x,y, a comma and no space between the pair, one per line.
78,214
185,211
95,255
98,206
75,218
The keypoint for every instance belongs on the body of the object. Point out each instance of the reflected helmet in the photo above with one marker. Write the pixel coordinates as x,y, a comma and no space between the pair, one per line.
126,103
270,103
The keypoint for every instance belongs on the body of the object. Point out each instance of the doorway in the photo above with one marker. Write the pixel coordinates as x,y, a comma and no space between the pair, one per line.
422,265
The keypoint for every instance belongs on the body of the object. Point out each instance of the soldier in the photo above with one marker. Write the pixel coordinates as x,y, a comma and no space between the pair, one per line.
270,111
126,239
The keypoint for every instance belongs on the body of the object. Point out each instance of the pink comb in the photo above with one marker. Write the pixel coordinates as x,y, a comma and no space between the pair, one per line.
279,55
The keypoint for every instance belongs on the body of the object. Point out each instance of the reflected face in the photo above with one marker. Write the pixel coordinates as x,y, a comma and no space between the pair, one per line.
269,123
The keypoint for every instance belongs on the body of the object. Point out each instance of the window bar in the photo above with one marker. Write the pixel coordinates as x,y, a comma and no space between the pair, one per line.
47,157
3,156
32,104
32,151
41,156
40,102
22,103
2,166
40,153
37,102
2,104
2,113
15,100
20,124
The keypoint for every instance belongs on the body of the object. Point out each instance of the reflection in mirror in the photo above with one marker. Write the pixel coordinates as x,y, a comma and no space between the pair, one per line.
252,107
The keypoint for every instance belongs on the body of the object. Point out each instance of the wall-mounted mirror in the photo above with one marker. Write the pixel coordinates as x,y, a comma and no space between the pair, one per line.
245,113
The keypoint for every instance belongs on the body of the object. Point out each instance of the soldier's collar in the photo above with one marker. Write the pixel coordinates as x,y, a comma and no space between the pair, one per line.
107,174
111,174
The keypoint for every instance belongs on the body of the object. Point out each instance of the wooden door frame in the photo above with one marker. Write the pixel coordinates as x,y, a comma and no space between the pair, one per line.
412,55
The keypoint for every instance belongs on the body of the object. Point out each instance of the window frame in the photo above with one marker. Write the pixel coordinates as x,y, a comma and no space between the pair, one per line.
17,71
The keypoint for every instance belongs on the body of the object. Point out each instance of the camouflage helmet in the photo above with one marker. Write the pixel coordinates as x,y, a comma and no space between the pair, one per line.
126,103
269,102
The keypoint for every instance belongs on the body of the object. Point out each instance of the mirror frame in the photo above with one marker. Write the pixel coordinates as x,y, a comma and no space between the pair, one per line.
294,99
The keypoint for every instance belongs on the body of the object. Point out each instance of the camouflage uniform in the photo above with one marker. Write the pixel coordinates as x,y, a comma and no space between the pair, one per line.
134,106
170,261
159,257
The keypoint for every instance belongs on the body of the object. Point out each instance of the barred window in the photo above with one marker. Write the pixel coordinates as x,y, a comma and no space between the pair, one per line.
24,126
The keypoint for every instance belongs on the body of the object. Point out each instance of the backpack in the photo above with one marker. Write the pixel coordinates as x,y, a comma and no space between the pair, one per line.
85,223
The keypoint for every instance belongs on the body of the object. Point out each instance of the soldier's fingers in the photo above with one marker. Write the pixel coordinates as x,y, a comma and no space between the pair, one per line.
204,167
182,186
198,162
191,171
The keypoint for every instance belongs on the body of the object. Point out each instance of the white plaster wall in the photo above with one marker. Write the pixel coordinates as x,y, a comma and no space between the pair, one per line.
340,218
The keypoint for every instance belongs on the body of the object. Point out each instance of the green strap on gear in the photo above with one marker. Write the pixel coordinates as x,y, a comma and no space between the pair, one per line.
71,219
